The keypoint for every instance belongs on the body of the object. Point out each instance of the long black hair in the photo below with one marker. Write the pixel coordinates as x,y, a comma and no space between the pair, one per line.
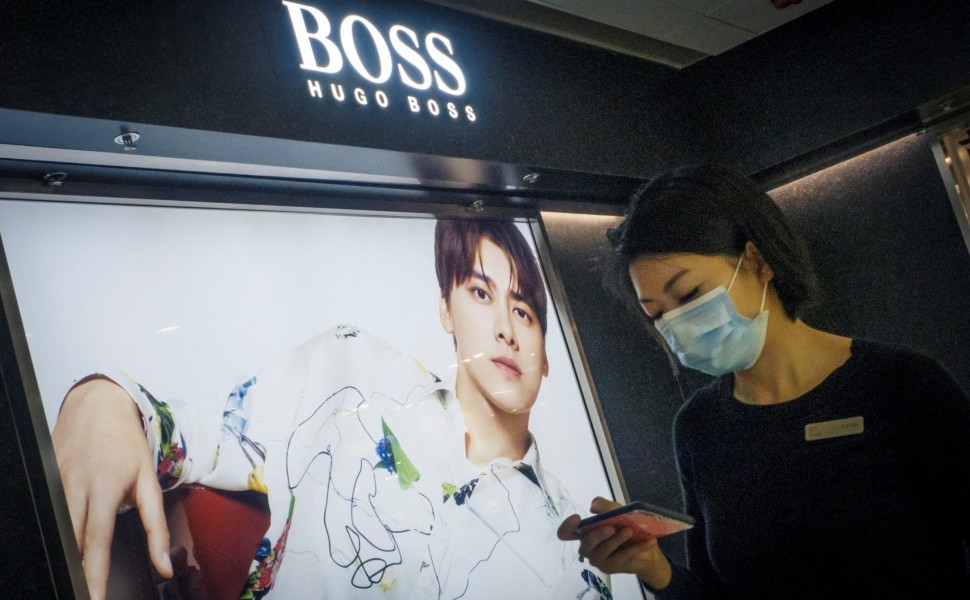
712,211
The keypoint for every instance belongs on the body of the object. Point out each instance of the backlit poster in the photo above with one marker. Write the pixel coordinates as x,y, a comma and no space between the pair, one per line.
398,387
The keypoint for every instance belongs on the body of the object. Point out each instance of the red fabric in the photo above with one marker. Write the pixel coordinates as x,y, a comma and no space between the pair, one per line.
227,528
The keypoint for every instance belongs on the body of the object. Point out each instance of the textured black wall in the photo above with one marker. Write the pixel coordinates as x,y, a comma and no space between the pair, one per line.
889,250
20,534
24,496
833,73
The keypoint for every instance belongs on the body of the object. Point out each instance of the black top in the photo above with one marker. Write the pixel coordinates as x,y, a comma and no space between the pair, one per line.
879,514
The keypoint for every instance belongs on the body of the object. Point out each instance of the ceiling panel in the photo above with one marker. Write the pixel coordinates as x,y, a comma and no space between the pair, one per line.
676,33
647,17
710,36
760,16
703,7
708,26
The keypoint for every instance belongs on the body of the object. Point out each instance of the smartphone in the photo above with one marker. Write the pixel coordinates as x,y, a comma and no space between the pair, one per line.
647,522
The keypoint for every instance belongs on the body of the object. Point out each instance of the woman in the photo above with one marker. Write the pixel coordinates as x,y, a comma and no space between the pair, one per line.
815,465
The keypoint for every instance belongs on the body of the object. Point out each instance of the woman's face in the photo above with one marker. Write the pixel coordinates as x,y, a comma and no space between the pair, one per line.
667,281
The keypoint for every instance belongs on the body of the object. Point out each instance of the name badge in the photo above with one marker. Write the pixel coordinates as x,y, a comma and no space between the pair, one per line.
833,429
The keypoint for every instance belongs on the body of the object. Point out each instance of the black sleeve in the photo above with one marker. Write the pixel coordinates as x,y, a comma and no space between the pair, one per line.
696,580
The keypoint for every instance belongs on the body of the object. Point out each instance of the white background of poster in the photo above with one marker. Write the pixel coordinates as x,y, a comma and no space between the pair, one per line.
193,301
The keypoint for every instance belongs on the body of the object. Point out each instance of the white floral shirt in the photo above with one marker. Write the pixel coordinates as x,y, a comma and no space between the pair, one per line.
361,452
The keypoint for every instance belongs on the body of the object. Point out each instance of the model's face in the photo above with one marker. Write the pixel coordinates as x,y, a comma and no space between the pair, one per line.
665,282
500,346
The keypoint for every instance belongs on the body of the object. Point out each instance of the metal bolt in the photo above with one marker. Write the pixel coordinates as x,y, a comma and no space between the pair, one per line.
128,139
55,178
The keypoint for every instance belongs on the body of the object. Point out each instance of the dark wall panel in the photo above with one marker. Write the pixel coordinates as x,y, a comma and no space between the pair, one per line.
20,534
889,250
29,539
844,68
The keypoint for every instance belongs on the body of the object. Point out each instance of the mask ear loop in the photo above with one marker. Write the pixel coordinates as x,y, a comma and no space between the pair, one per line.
735,276
764,293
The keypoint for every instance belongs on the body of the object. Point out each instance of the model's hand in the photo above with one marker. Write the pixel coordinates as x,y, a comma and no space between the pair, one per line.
609,549
105,462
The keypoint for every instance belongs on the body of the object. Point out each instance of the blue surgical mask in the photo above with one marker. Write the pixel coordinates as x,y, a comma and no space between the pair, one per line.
709,335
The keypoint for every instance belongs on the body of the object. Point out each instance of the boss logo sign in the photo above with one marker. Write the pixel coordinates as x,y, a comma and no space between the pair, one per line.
424,63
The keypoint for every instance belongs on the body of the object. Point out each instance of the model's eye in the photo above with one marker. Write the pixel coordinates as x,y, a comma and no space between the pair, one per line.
480,294
523,314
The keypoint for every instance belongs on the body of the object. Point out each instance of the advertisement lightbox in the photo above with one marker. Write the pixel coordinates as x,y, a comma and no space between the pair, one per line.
401,390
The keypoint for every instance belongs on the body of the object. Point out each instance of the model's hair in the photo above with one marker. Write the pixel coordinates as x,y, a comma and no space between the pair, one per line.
456,254
712,211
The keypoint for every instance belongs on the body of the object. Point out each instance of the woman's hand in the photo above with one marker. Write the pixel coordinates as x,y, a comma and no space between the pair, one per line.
609,549
105,463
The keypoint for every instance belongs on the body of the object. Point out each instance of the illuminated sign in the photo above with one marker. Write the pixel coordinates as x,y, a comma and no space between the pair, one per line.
424,64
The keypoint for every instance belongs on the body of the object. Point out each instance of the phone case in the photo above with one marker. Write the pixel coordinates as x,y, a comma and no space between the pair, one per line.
647,522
